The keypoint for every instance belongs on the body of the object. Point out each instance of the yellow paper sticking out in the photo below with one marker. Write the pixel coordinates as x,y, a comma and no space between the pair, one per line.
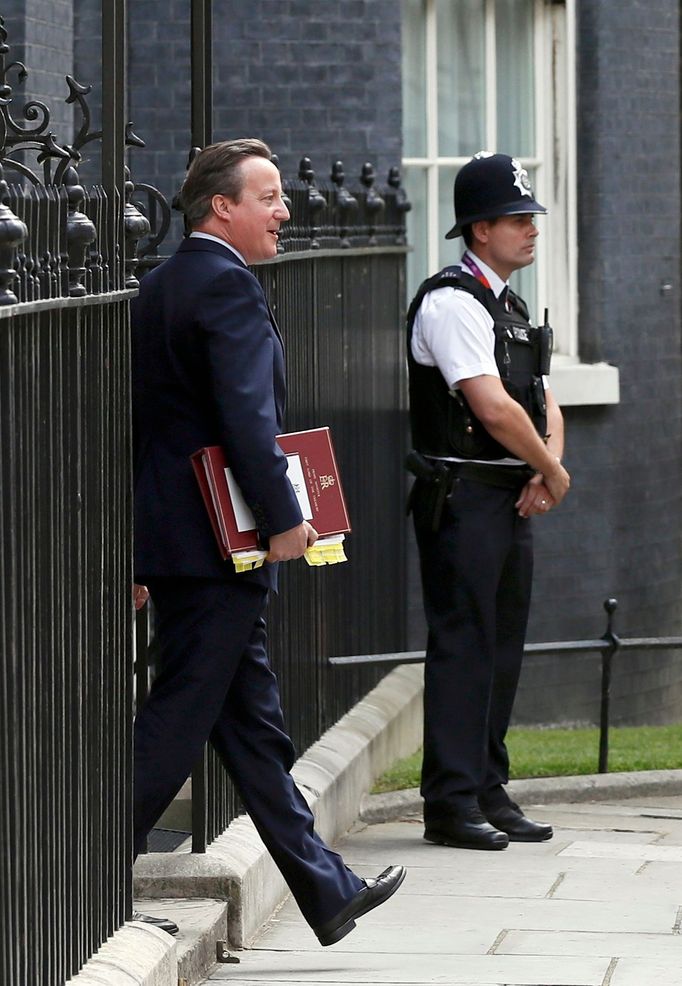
326,551
246,561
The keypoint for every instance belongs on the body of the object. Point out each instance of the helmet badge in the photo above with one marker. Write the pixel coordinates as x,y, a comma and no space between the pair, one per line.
521,179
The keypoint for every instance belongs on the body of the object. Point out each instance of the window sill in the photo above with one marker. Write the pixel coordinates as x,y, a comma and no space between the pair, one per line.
579,384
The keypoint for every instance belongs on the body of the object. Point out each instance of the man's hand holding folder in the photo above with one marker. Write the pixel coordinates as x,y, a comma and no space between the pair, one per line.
292,544
314,475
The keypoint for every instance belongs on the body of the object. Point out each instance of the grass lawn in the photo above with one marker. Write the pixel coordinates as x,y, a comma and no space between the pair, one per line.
564,752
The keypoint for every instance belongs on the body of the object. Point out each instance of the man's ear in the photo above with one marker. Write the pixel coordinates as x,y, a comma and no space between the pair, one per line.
480,230
221,206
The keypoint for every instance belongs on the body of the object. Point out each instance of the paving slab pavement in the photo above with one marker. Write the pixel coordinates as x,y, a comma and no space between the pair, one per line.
598,905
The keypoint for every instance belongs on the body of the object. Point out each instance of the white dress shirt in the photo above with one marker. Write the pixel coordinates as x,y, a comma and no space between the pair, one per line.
216,239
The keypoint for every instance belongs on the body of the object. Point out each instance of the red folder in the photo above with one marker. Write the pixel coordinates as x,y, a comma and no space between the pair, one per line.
313,473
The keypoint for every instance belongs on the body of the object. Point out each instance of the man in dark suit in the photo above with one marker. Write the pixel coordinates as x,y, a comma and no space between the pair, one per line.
208,369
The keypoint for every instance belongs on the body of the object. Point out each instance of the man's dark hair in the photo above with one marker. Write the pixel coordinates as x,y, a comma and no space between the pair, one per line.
217,171
467,231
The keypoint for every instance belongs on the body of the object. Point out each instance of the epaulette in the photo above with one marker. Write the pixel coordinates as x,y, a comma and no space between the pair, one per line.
448,277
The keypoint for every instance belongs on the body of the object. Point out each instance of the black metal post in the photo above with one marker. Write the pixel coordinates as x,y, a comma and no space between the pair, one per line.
202,74
608,653
199,805
116,338
113,130
202,135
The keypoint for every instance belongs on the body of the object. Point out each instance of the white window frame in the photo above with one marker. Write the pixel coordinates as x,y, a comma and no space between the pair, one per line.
555,182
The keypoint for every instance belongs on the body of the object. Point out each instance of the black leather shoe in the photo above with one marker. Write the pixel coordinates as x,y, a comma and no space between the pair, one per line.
510,819
375,892
465,828
165,924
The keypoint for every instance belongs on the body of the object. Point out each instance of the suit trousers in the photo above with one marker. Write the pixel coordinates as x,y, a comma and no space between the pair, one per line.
214,682
476,572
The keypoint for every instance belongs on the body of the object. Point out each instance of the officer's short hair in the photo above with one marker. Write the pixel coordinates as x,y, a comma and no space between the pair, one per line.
217,171
468,233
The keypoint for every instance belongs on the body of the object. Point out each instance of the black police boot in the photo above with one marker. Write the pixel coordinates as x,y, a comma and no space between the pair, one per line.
510,819
463,827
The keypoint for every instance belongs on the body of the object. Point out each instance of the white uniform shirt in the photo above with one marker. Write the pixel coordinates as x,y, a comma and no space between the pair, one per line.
453,331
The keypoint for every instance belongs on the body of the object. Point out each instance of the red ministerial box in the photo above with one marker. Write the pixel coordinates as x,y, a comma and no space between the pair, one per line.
312,471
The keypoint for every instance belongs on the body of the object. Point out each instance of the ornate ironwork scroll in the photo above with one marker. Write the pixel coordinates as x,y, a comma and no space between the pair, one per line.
62,252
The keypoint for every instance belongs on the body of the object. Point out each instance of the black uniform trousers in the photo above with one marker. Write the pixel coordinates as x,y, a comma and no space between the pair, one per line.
476,572
214,682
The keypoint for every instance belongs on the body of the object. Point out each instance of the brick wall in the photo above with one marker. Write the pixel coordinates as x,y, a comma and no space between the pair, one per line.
312,78
309,78
619,531
87,31
159,90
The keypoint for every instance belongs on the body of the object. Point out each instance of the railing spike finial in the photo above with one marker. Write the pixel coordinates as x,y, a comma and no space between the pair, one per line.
12,233
80,233
136,226
400,202
374,204
346,203
285,199
305,170
316,200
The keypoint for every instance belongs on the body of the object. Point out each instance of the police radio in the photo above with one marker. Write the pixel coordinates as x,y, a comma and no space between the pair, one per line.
546,334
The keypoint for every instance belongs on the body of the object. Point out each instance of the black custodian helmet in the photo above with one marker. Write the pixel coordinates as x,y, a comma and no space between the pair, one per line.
488,186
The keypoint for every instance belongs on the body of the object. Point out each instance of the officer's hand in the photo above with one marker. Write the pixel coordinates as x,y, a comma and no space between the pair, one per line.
557,482
292,543
535,498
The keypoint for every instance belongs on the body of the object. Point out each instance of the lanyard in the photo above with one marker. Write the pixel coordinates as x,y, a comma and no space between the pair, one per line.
469,262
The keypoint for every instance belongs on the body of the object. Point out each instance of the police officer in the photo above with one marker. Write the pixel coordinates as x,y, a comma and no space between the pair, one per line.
488,442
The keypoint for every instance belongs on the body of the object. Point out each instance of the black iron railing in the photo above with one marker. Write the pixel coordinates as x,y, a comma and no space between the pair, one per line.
608,646
65,625
65,611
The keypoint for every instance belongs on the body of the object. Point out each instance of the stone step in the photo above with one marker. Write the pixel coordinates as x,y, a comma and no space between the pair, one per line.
202,936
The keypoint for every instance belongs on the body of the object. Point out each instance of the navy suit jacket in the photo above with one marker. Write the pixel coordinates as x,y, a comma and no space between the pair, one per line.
208,369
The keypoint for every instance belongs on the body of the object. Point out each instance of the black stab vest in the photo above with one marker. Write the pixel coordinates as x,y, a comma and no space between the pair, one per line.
442,422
